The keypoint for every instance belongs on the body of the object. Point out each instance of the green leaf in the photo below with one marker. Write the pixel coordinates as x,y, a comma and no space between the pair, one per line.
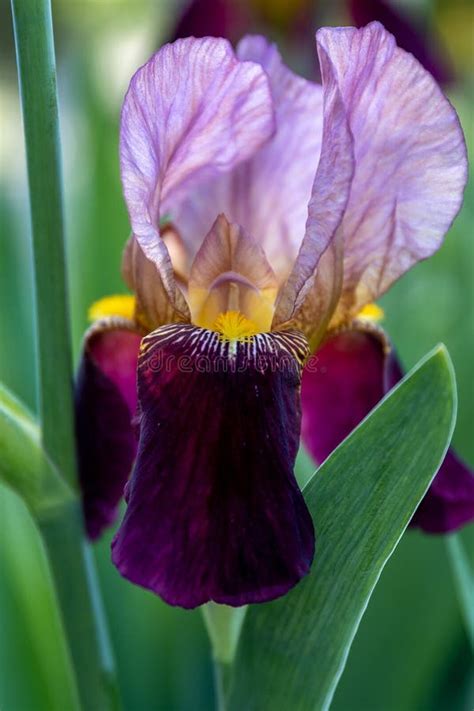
464,579
292,651
24,466
35,663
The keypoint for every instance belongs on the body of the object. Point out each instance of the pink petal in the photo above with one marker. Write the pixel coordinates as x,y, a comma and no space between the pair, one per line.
268,195
192,112
410,159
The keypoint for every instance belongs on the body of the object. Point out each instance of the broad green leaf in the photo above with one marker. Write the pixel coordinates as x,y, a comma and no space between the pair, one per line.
400,660
24,466
293,650
35,665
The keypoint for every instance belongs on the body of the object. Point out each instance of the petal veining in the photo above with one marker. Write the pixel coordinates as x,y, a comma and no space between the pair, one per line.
192,112
214,511
410,160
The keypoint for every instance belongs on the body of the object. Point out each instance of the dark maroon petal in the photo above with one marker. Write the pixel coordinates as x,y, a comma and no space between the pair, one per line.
214,511
449,502
105,401
341,384
212,18
425,48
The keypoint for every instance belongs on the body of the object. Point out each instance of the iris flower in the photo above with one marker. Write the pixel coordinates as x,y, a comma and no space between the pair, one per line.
267,213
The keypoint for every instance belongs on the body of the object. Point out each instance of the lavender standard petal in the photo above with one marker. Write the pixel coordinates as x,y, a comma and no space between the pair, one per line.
268,194
192,112
410,159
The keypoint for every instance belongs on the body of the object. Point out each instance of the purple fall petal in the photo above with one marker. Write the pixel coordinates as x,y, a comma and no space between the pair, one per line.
449,502
213,18
408,36
105,402
410,159
340,385
347,378
214,511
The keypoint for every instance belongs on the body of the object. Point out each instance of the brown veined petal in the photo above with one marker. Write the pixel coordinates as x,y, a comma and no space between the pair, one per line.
320,302
153,304
231,273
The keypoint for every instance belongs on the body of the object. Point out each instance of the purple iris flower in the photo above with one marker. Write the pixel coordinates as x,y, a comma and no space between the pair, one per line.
266,213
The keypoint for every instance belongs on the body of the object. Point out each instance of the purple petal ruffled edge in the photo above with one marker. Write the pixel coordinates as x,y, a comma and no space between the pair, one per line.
214,511
192,112
409,154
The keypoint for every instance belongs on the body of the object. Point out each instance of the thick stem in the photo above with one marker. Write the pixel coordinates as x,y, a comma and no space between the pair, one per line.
223,624
62,530
222,674
37,77
464,581
75,584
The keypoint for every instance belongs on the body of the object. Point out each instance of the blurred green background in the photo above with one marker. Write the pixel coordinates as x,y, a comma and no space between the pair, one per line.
411,652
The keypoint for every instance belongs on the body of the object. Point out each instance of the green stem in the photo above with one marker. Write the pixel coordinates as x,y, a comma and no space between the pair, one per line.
223,624
70,563
464,581
37,77
62,530
222,673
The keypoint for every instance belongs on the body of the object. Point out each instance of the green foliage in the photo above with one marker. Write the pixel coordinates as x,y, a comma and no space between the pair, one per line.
464,578
410,652
23,465
37,79
292,651
35,662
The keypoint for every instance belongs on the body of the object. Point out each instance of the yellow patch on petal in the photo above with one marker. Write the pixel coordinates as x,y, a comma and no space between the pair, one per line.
371,312
122,305
234,326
